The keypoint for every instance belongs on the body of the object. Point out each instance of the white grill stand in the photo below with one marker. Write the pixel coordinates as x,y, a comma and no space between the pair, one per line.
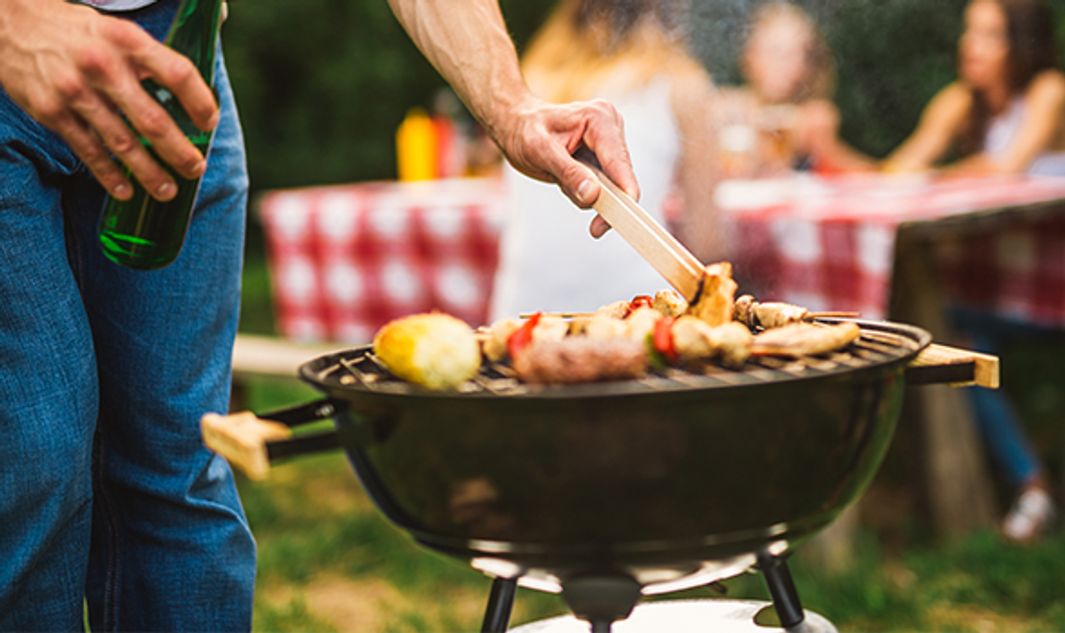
691,616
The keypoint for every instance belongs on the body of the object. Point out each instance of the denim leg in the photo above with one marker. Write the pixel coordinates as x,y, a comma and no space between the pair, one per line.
171,548
995,417
48,389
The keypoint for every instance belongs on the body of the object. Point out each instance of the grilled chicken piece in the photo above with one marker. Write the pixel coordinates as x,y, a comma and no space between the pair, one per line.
641,323
775,314
669,303
435,351
616,310
581,359
550,328
733,343
692,339
715,304
805,339
743,310
494,344
695,340
601,328
769,315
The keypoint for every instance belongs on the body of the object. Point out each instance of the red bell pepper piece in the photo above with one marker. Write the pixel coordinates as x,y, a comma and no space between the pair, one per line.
640,301
523,336
662,338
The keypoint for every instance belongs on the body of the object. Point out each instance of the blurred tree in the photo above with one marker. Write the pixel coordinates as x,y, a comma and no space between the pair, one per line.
322,85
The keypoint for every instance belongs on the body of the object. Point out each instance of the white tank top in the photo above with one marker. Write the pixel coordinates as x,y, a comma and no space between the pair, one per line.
1004,128
548,261
118,5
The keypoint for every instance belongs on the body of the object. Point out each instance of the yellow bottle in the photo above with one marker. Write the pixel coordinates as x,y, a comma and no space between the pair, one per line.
416,147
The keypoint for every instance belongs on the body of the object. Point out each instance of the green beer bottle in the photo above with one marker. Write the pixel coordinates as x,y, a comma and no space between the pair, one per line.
142,232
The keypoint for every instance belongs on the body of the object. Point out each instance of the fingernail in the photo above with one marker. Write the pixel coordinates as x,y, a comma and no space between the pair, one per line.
165,191
122,191
199,168
213,121
584,192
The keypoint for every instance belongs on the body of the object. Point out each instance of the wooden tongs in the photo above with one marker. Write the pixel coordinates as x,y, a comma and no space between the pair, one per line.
641,230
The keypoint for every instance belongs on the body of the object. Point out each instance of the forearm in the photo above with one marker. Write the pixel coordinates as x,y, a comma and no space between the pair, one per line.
467,42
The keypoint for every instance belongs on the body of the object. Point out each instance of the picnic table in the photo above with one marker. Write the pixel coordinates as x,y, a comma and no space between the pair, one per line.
345,260
905,248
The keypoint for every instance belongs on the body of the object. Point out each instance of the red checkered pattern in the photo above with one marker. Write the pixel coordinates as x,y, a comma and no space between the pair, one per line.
829,243
345,260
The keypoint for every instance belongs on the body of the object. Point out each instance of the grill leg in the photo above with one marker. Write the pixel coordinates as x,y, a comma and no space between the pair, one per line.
601,600
500,602
782,588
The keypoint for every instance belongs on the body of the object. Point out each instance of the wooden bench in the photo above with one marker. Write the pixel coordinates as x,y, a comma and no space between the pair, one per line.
257,356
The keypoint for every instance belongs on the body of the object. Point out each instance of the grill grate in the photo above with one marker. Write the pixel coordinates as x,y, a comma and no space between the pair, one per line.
360,369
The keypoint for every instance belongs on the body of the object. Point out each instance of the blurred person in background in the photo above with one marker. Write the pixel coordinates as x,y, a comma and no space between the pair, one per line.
782,117
629,52
1006,112
1004,115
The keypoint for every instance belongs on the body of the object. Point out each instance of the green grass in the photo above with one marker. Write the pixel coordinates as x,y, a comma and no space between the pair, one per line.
318,534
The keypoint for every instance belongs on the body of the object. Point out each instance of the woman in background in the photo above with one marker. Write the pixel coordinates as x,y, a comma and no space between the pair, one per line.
783,114
1004,115
627,51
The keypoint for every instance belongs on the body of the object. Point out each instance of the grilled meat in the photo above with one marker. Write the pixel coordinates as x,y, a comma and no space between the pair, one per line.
694,340
715,303
581,359
805,339
669,303
494,344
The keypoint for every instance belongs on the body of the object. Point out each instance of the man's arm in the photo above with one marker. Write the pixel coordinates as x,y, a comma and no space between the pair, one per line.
467,42
78,72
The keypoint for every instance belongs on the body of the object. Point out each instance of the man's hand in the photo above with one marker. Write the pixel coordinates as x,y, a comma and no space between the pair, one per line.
467,41
78,72
539,140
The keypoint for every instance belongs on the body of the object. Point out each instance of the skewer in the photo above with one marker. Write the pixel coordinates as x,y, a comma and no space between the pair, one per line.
561,315
827,314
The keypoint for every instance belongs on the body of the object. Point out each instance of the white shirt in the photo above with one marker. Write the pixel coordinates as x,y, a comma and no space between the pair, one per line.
118,5
1004,128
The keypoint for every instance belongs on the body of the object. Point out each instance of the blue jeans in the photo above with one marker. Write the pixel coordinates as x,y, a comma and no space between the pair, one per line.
106,490
997,421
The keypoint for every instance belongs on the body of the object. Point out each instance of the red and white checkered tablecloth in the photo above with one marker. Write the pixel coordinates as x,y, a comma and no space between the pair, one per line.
829,243
345,260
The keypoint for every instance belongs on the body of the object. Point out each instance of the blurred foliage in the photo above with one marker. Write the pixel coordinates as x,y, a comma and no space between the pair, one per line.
322,84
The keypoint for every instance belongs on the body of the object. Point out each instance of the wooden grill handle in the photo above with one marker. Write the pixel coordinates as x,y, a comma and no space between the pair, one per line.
985,367
242,439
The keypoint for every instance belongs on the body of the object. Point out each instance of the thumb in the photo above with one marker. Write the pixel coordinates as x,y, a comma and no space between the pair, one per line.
576,179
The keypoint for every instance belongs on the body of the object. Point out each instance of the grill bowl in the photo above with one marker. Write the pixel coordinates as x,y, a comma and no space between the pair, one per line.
656,478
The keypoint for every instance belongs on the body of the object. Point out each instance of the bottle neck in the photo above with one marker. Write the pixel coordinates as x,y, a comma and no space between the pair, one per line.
194,33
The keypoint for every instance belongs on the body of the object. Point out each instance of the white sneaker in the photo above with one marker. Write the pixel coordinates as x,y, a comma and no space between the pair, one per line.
1030,517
